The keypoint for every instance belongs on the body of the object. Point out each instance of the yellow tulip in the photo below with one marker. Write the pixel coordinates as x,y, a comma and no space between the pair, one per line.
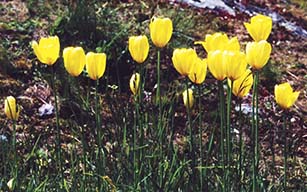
243,84
258,53
284,95
235,64
260,27
95,64
47,50
199,71
188,94
138,48
219,41
184,60
216,65
11,110
74,60
161,30
134,83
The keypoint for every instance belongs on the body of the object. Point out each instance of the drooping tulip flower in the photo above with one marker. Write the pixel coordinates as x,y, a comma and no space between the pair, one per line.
47,50
284,95
161,30
185,95
216,65
134,83
74,60
199,71
138,47
235,64
219,41
243,84
260,27
258,54
184,60
95,64
11,109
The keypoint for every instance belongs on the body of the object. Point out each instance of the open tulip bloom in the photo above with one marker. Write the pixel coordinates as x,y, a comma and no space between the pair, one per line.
138,47
47,50
74,60
95,64
284,95
183,60
199,71
243,84
258,54
219,41
161,30
260,27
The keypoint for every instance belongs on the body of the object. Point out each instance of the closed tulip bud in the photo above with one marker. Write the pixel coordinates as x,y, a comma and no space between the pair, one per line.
134,83
258,53
11,109
219,41
184,60
95,64
243,84
216,65
199,71
138,48
235,64
284,95
188,94
47,50
74,60
161,30
260,27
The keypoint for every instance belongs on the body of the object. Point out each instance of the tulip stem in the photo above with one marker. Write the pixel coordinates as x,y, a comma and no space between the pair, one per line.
200,138
158,97
222,123
15,155
228,136
241,145
190,126
285,151
255,131
59,156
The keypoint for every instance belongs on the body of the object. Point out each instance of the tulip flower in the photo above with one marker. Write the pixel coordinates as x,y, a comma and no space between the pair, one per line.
258,53
216,65
219,41
284,95
74,60
47,50
11,110
95,64
184,60
161,30
185,95
243,84
235,64
199,71
260,27
134,83
138,48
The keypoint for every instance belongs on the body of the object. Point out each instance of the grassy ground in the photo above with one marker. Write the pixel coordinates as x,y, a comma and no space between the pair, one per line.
105,27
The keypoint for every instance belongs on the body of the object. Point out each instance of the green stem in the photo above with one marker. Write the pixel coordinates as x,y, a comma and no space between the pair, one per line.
135,169
190,127
59,156
97,117
222,124
241,144
200,138
228,136
285,151
255,131
158,97
15,156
